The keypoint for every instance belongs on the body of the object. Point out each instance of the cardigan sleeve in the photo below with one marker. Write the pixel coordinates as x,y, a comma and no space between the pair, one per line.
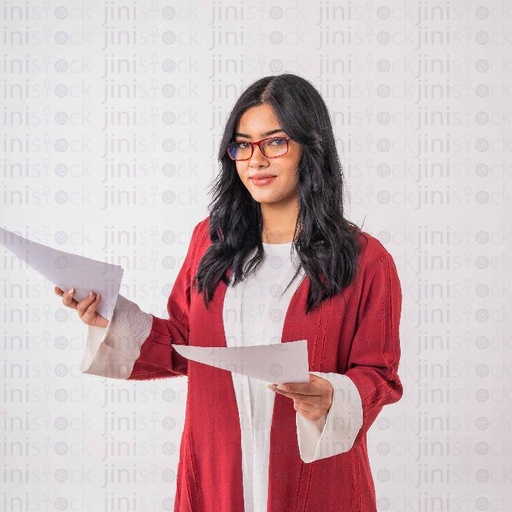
112,351
371,380
335,432
137,345
375,350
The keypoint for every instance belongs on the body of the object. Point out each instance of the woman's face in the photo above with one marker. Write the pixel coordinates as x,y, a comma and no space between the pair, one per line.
270,181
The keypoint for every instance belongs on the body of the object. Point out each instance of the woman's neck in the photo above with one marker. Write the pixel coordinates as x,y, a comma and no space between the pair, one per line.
278,224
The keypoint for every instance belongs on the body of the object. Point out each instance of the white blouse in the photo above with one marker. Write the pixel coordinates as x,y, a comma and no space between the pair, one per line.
253,314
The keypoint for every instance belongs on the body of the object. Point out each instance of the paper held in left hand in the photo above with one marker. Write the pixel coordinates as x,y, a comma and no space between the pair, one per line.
67,270
278,363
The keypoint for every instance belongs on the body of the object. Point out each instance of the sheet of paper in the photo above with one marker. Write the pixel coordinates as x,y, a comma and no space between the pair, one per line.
278,363
67,270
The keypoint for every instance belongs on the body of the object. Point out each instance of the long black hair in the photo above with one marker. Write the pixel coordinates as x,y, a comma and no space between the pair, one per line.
326,242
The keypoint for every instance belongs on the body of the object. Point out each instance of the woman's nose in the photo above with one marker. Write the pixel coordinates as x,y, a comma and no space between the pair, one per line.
258,159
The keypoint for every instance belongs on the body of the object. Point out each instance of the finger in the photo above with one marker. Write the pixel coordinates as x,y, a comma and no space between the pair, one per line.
304,408
320,403
299,404
85,304
309,415
68,300
58,291
303,388
90,315
94,304
299,389
283,389
305,399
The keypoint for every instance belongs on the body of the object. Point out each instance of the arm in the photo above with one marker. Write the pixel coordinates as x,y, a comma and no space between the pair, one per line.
112,351
371,380
157,358
137,345
375,354
336,431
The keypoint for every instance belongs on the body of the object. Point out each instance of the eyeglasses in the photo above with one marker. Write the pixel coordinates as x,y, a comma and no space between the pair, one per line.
272,147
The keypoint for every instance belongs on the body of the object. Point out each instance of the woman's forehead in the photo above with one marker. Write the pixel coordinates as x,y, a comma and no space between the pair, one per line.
258,121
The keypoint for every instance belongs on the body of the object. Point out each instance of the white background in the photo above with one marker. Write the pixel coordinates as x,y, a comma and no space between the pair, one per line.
111,115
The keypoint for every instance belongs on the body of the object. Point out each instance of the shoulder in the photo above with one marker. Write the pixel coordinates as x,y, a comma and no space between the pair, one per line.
372,253
199,242
202,231
370,246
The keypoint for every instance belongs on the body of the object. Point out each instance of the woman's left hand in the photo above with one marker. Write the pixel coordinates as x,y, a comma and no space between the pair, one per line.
312,399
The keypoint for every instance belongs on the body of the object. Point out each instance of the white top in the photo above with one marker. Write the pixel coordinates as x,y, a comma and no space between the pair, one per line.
253,314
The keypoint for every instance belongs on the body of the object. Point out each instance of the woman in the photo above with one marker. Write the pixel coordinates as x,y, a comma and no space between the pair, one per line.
275,261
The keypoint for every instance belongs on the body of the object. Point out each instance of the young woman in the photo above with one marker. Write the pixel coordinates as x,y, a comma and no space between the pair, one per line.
275,261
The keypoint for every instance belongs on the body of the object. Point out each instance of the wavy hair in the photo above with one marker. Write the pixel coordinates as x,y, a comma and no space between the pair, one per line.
326,242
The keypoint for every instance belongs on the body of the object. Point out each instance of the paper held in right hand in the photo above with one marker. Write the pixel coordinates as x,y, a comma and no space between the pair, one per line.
278,363
67,270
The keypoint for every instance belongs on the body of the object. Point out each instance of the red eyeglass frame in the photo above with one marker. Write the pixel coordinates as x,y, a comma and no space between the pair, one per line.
257,143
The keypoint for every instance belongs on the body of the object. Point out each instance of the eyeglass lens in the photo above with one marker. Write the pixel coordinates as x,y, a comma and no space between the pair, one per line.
273,147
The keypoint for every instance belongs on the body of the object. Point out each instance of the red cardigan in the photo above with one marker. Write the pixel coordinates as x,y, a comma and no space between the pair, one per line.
354,333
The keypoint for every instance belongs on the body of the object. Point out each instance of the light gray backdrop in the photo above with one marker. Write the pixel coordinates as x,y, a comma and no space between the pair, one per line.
111,114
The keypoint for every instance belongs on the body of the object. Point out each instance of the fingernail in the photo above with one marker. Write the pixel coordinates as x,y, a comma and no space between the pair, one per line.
282,387
72,291
271,386
91,295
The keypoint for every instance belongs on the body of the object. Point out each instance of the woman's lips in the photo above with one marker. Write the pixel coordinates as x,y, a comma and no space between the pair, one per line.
260,180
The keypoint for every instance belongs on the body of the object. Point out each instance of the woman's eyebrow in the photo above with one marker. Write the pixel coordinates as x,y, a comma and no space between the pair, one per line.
266,134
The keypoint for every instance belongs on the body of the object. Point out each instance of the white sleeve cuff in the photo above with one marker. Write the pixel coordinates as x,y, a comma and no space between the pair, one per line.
335,433
112,352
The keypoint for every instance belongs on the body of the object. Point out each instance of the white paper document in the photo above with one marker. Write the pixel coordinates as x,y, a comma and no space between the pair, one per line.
67,270
278,363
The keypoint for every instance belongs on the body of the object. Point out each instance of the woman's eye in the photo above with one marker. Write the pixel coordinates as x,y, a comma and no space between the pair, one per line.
278,141
241,145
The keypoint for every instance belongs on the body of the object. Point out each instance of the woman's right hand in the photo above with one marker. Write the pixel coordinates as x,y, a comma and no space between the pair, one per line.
86,308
